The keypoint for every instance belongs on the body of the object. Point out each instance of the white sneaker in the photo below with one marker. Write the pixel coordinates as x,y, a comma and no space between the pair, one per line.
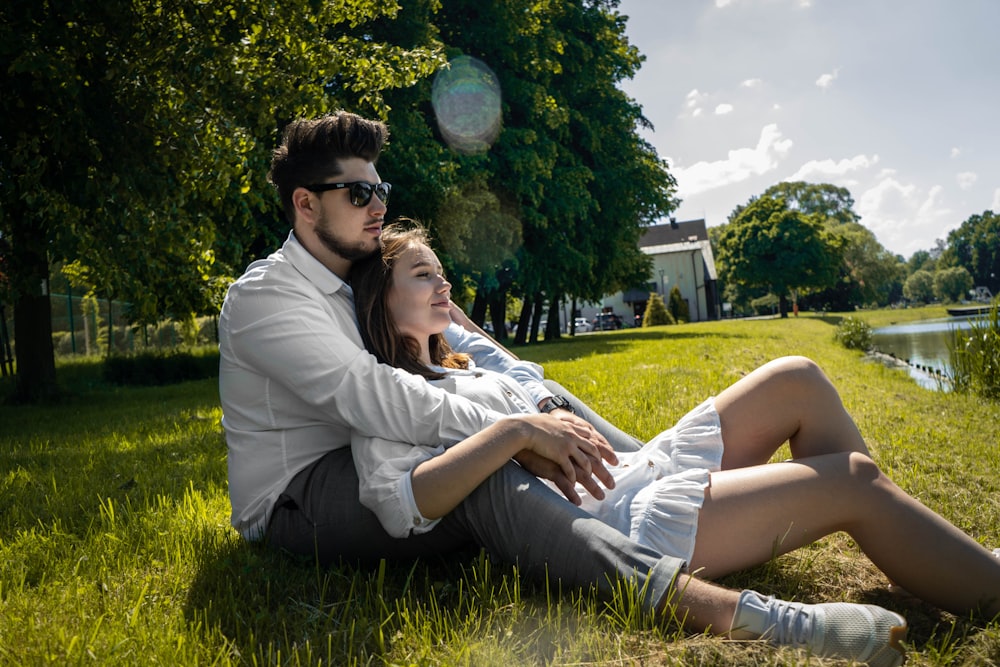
860,632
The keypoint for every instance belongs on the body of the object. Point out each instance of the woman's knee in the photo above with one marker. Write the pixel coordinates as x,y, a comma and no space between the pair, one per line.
863,470
800,375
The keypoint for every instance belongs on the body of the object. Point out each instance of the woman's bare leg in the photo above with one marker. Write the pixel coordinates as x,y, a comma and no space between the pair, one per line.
752,513
788,399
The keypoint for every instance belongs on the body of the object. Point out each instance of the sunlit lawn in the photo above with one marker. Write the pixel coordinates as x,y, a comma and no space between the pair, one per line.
115,546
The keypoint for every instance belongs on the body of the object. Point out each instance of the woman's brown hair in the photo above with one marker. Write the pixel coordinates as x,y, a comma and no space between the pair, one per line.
371,280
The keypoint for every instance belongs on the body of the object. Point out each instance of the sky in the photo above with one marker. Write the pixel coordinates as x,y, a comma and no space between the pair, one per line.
896,100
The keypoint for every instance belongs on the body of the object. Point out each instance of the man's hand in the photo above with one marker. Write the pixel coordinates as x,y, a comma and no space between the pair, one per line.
603,446
566,451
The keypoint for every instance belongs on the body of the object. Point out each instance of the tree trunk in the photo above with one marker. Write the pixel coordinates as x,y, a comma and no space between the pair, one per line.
523,322
36,365
783,305
478,314
552,328
498,314
536,317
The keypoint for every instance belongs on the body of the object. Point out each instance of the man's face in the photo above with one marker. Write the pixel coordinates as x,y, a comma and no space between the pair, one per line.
350,232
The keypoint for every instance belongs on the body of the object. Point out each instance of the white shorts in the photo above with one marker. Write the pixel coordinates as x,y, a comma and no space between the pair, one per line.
660,489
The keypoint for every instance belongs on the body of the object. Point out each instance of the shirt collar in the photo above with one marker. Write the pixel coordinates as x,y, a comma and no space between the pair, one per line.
310,267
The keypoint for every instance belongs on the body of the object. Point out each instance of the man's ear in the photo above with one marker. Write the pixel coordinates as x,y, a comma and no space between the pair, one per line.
304,203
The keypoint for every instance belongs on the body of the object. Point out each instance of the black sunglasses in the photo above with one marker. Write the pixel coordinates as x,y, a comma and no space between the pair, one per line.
361,191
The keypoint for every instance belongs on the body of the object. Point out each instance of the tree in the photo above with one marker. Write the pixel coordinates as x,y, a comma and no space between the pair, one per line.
656,312
952,284
920,260
136,135
831,203
568,166
768,245
869,272
919,287
975,245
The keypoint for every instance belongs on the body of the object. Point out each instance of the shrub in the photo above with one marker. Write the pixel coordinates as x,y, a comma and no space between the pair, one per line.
151,368
975,357
678,306
656,312
854,334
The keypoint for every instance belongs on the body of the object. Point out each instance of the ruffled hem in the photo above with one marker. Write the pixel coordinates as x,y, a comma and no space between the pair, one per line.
694,442
664,514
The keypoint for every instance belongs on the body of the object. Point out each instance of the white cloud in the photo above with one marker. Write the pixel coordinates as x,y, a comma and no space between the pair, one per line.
955,152
723,109
739,165
826,170
826,80
723,3
693,102
995,206
903,216
751,83
966,179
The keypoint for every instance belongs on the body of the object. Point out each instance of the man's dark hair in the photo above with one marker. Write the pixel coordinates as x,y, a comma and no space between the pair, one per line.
311,150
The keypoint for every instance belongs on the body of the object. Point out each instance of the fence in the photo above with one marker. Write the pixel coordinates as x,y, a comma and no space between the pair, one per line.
90,326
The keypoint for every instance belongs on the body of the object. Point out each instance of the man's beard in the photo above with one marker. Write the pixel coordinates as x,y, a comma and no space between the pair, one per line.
352,253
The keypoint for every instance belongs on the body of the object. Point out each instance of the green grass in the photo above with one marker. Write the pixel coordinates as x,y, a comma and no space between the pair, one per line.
115,545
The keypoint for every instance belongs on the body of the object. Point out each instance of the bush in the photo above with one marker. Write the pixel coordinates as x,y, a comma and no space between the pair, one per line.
854,334
678,306
656,312
151,368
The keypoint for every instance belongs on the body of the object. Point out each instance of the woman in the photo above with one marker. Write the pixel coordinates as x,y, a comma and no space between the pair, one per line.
761,509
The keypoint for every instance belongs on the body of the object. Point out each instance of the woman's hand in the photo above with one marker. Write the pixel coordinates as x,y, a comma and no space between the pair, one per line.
565,451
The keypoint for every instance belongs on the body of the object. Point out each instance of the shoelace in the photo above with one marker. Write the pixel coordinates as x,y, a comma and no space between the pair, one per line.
790,623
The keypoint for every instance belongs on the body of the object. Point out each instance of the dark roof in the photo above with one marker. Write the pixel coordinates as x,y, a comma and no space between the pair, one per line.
673,232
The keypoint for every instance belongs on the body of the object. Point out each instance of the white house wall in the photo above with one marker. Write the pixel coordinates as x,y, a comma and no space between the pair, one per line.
679,264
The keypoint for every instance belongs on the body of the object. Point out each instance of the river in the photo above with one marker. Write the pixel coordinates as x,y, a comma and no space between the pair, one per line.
923,345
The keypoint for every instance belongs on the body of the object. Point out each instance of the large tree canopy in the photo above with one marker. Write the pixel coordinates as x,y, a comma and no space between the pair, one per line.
135,136
868,273
565,189
770,245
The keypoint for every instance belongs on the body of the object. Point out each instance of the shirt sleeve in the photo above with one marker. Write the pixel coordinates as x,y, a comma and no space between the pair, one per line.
307,342
385,469
488,355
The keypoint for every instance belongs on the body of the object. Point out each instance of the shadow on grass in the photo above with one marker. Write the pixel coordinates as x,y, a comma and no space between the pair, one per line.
569,348
266,602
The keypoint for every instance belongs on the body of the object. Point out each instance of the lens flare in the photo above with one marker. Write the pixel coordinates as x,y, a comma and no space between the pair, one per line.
466,100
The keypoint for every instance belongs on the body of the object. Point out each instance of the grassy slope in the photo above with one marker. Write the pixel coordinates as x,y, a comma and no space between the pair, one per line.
115,546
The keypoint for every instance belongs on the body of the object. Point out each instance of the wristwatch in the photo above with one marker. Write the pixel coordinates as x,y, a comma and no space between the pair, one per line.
557,403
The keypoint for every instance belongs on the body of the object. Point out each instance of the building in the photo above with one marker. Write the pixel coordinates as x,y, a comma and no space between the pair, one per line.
682,256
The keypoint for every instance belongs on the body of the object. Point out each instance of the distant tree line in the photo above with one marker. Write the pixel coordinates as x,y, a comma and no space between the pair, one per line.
804,241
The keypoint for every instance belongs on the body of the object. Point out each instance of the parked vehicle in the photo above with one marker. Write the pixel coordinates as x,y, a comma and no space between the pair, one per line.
581,325
607,322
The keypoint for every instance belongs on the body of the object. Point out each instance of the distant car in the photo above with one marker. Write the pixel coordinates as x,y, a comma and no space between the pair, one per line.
582,325
607,322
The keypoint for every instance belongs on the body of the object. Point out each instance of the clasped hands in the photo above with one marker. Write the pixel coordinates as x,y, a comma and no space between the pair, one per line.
568,450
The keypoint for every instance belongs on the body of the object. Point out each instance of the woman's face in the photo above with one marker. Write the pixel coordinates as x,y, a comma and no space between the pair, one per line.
420,297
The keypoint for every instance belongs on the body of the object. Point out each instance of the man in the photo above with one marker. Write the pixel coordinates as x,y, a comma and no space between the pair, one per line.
295,382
